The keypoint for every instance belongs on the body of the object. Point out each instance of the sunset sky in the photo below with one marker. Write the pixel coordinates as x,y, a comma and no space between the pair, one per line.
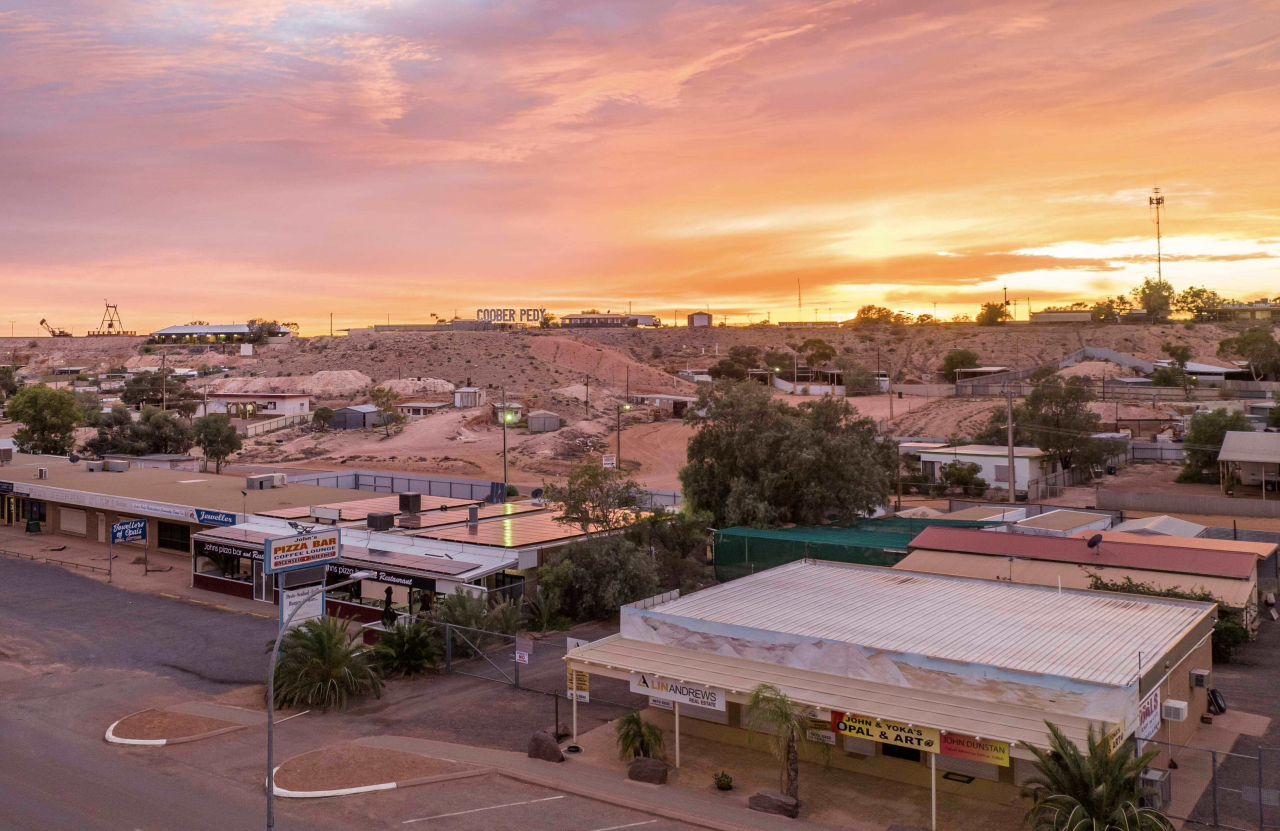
236,158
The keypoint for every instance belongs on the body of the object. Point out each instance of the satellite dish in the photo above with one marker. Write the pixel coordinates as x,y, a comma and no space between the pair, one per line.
537,493
73,458
1095,541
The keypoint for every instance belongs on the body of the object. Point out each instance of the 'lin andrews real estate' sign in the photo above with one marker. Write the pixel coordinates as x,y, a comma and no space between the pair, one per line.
670,689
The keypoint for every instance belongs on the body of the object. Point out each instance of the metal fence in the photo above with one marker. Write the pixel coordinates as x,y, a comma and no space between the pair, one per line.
1157,451
378,481
258,428
1217,788
526,661
1167,503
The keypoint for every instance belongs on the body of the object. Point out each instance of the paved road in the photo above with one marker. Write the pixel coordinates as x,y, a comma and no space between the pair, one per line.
93,653
72,620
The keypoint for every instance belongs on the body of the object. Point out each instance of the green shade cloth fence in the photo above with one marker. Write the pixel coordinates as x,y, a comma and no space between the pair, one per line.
873,542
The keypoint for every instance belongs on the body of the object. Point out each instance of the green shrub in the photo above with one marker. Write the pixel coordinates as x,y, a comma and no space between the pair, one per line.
596,577
723,781
406,649
322,664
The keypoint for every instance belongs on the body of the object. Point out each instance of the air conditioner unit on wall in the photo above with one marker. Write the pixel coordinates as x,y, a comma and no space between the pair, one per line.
1200,679
1174,710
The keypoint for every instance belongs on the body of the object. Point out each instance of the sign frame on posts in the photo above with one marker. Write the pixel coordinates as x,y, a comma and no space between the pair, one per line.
301,551
609,460
129,530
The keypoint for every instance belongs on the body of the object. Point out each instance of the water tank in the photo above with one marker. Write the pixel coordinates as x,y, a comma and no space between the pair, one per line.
381,521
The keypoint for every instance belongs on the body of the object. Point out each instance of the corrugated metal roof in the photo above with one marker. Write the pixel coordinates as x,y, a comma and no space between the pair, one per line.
985,450
1088,636
1234,593
219,329
1238,446
1261,550
980,512
1012,721
1150,556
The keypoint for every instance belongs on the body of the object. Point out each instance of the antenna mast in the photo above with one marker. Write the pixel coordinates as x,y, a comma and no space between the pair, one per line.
798,303
1156,201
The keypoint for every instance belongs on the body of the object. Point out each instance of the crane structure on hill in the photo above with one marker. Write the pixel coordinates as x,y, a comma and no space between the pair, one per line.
111,324
54,332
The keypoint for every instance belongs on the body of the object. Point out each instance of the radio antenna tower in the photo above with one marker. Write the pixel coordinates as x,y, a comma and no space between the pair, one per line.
799,305
1156,202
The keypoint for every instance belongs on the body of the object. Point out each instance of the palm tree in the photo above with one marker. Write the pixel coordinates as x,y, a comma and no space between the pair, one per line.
771,711
406,649
1094,791
637,737
321,664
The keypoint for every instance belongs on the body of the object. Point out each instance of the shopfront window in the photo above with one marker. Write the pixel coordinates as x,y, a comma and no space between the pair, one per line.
174,536
33,509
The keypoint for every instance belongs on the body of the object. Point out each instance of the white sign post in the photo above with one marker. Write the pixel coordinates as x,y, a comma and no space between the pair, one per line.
609,460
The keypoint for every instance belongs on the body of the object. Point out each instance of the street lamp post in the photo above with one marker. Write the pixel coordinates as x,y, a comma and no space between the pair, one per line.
271,689
506,417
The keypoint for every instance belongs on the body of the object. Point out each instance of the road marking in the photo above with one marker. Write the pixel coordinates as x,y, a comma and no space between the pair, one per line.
487,808
628,825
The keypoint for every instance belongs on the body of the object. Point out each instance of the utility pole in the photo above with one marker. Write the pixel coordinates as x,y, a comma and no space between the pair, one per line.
587,382
504,442
330,324
1012,476
164,387
1156,202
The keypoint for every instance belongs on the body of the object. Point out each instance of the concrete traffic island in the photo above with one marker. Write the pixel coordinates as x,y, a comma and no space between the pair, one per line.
181,723
348,769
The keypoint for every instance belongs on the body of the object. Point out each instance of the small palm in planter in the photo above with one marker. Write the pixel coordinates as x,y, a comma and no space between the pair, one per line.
723,781
637,737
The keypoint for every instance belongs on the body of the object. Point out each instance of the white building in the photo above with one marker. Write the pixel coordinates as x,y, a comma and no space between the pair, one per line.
256,404
1061,523
993,461
700,319
414,410
467,397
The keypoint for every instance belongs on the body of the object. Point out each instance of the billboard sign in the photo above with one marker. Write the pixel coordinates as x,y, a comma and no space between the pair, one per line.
205,517
1148,718
291,599
302,550
886,732
130,530
695,695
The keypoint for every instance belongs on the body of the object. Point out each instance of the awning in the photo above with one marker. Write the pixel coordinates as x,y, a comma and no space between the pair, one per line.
618,657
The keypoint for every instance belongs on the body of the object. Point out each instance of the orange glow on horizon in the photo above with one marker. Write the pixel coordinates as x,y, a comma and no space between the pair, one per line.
373,157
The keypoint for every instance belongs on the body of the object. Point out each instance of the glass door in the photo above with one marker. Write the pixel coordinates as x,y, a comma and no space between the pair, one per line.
263,584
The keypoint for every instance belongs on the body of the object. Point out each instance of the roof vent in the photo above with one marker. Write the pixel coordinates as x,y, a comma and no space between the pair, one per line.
95,467
410,503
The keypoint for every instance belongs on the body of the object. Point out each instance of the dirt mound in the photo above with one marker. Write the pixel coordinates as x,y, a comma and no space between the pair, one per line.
610,365
419,386
945,417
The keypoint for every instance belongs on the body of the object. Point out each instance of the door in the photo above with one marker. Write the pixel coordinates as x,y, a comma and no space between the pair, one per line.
263,584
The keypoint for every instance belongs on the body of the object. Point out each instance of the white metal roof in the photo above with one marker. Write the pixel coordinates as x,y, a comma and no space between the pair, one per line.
221,329
1086,636
985,450
1238,446
1160,525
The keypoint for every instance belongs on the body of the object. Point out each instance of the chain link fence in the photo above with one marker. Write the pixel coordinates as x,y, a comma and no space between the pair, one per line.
1216,788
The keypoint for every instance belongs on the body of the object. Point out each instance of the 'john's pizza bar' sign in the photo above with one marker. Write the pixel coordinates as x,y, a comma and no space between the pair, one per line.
916,737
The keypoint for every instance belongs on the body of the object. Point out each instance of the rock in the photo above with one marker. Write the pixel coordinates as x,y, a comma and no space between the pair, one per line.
543,745
772,802
644,769
560,732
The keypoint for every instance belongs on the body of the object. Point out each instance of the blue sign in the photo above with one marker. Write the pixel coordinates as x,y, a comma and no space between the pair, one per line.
131,530
205,517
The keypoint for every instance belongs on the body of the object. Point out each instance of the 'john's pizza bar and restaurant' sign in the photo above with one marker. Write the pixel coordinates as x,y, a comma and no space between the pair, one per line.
925,739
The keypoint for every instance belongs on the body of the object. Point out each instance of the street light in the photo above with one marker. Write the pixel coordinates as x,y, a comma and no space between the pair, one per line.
506,418
271,688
